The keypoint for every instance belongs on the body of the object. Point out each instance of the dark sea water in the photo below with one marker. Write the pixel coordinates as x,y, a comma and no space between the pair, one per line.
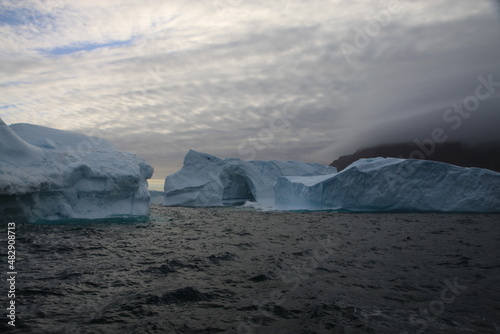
232,270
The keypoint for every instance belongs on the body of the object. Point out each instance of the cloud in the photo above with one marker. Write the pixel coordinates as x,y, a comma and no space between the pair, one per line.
159,78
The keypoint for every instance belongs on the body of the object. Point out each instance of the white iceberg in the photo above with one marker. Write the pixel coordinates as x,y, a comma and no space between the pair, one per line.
48,174
390,184
205,180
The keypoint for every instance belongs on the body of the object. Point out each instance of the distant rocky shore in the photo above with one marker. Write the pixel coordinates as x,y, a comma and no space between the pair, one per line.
482,156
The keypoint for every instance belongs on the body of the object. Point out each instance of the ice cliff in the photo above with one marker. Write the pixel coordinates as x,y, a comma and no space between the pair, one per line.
390,184
52,174
205,180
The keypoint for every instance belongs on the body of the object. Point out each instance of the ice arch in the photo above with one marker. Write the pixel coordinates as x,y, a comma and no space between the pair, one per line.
205,180
237,189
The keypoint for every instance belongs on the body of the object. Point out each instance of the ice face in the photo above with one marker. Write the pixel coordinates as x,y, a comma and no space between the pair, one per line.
205,180
394,185
53,174
156,197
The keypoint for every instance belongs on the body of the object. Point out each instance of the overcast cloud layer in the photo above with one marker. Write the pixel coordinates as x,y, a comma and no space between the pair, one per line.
285,80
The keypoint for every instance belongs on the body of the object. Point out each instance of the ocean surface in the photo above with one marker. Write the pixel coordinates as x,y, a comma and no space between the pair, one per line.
234,270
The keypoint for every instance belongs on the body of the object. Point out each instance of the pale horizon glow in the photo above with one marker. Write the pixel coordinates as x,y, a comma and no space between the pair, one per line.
156,184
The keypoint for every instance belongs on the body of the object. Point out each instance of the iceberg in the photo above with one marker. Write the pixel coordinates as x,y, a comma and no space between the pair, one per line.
156,197
392,185
205,180
49,174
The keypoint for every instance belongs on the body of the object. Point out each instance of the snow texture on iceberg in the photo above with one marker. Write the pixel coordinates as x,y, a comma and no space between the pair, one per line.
48,174
390,184
205,180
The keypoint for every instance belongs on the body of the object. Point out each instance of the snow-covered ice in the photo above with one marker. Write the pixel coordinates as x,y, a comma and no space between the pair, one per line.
205,180
390,184
53,174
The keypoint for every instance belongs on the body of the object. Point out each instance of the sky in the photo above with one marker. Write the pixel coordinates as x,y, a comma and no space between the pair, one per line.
255,80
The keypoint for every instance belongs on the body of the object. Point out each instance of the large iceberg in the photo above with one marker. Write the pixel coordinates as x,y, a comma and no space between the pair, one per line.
48,174
205,180
390,184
